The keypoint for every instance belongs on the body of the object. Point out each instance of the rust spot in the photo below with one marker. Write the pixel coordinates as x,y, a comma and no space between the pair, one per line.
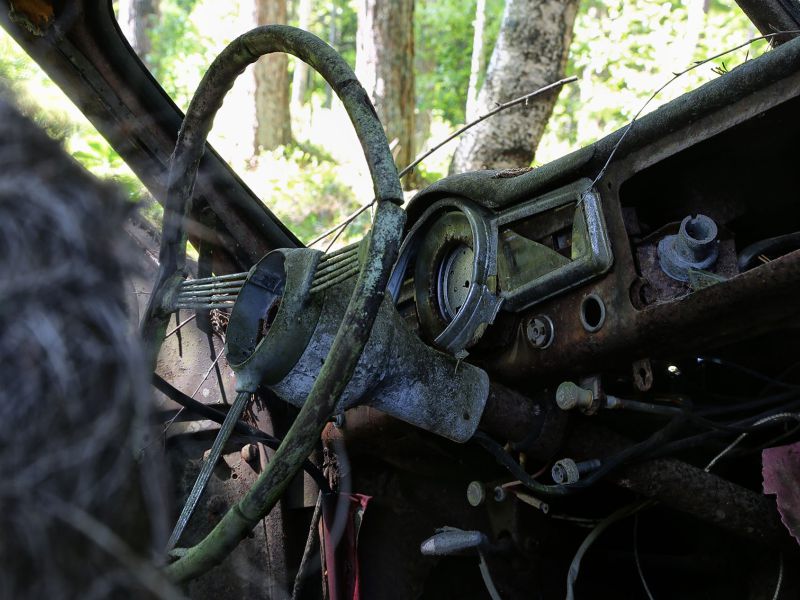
34,15
508,173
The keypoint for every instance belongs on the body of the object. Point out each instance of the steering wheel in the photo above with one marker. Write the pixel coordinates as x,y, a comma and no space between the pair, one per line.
348,345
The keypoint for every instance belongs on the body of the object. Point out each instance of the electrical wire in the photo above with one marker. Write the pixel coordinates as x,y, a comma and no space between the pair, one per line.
241,428
766,420
577,521
487,577
702,438
780,578
575,566
311,542
506,460
747,371
762,402
672,411
656,445
608,465
781,244
636,556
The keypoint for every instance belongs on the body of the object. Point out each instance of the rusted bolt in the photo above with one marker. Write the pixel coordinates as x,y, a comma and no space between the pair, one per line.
570,396
249,452
540,331
476,493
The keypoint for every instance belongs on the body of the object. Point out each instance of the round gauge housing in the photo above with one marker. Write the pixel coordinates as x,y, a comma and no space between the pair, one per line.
450,278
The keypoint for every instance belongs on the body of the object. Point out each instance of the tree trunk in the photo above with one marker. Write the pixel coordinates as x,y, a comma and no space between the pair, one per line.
531,52
136,18
476,64
385,66
273,120
332,33
300,76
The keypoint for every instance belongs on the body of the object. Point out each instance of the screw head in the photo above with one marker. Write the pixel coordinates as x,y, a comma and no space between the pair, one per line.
476,493
540,331
249,452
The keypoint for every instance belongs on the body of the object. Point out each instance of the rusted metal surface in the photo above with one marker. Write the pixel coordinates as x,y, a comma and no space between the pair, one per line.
34,15
232,477
639,322
657,286
534,425
754,302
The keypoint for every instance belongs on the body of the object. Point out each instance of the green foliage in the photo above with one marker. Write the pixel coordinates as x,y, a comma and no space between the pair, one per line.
443,32
622,51
41,100
89,148
304,188
179,52
35,94
336,22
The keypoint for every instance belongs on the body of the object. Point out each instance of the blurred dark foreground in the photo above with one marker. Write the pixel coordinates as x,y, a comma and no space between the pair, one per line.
81,487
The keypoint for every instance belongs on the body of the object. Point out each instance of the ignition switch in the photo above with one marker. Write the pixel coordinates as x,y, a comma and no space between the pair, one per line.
694,247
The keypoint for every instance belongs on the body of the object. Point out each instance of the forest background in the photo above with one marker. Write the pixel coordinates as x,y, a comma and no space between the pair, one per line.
430,65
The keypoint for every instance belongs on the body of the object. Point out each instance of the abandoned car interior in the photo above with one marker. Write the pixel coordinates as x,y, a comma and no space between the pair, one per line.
534,383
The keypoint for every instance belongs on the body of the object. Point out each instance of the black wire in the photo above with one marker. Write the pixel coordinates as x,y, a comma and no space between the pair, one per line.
608,465
656,445
702,438
242,428
634,452
507,461
716,426
689,415
650,408
747,405
747,371
769,443
781,244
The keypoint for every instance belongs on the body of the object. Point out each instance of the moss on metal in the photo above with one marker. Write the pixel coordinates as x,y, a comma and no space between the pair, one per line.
369,290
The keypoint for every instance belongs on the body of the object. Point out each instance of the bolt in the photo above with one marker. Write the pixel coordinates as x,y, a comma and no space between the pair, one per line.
567,471
476,493
570,396
540,331
249,452
500,494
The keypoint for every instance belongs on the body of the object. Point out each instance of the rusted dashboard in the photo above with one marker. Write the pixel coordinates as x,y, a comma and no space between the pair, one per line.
557,271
